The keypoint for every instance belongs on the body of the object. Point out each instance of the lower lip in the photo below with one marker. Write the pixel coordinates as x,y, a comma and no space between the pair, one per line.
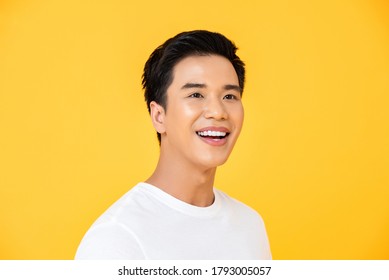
214,142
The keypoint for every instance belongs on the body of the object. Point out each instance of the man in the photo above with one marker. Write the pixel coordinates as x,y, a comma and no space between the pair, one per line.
193,87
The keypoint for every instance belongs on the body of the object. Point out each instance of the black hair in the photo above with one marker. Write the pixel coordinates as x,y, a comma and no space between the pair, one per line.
158,70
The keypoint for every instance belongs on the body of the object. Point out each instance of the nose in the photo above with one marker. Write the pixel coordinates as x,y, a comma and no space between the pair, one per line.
215,109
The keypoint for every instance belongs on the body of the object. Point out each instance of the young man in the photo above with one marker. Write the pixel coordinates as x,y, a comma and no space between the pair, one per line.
193,87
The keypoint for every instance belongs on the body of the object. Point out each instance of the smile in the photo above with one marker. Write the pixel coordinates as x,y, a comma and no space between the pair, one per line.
212,134
214,137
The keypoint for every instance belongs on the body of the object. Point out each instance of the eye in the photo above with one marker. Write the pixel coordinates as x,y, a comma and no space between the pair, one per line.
230,96
196,95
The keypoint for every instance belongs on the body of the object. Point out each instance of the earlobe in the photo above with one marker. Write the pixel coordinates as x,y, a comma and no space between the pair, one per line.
157,113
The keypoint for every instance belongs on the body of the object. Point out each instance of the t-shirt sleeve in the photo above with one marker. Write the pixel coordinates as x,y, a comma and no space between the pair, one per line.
109,241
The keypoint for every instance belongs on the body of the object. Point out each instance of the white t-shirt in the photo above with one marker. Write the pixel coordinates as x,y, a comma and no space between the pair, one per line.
148,223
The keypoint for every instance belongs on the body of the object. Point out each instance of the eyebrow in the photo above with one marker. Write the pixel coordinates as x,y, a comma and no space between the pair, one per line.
198,85
193,85
233,87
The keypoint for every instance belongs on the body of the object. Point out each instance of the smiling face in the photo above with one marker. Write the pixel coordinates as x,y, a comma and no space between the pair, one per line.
204,113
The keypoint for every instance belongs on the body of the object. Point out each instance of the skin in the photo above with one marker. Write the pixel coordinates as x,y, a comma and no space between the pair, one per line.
204,93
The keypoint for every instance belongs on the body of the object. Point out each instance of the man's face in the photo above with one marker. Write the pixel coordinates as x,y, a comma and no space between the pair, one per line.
204,113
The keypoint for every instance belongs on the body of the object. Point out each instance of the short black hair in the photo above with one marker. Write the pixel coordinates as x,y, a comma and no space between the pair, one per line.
158,70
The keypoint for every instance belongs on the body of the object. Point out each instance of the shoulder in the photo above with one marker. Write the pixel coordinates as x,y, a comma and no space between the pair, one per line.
128,207
236,205
240,211
109,241
111,235
247,220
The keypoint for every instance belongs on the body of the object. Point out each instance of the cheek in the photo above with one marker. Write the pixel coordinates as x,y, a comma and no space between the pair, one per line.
242,114
190,109
238,116
181,116
187,113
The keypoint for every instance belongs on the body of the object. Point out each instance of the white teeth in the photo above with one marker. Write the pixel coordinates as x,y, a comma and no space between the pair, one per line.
212,133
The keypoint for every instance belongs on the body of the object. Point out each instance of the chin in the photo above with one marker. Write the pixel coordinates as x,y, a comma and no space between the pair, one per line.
212,161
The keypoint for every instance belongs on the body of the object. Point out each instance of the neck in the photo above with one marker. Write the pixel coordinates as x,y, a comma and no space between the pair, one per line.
186,182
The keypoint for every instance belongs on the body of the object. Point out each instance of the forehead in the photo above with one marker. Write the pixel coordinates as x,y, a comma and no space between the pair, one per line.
207,69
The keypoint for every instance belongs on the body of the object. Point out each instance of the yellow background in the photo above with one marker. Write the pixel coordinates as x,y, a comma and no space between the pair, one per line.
313,157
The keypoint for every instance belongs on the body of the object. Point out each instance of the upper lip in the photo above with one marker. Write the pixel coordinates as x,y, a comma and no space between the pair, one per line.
215,128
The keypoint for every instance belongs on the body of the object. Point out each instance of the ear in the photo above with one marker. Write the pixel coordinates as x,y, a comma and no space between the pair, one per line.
157,113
